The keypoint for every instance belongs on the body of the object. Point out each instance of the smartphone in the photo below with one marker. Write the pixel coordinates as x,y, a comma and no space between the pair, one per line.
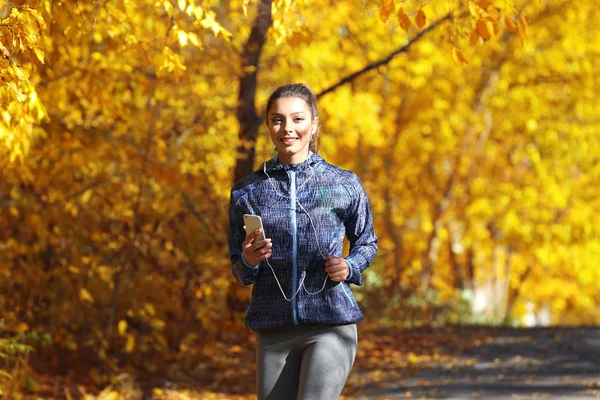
254,222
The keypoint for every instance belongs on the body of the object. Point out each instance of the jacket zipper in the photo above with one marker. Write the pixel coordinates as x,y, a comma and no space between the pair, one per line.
345,290
294,245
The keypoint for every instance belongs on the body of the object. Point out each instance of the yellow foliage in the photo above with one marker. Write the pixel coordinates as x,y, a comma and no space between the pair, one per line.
119,135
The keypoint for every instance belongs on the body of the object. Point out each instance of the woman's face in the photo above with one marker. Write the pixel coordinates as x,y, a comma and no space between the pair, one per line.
291,126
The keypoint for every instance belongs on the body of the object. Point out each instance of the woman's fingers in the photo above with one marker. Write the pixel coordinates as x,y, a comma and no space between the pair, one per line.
256,251
337,268
252,235
265,256
261,247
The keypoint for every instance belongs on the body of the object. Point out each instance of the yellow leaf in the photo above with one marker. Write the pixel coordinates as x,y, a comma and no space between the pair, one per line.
122,327
150,309
459,57
157,324
295,39
413,358
482,30
524,23
510,25
403,19
84,295
492,26
194,39
105,273
493,12
5,10
74,269
183,38
39,53
474,10
85,197
420,19
130,345
474,38
387,9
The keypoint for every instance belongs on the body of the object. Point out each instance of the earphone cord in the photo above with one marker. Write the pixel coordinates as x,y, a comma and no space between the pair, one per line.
301,285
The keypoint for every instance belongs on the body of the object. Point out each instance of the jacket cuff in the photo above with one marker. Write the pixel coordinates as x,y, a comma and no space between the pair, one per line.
246,263
351,267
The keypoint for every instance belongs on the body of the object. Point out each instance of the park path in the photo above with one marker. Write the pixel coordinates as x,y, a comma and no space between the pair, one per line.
532,363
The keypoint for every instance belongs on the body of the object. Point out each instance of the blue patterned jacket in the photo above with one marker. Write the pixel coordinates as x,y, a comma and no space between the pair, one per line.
287,197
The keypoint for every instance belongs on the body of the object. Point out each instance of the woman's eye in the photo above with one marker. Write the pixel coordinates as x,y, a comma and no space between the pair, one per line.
276,120
298,119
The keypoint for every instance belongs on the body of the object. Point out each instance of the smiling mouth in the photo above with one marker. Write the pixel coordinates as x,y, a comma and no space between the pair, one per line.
289,140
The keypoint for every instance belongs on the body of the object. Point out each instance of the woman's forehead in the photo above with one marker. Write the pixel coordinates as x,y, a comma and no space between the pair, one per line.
289,105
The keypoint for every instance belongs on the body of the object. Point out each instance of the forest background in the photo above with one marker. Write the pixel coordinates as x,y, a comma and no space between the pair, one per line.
473,126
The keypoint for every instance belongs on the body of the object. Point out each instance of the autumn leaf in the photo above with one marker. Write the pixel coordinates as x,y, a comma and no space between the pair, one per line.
5,9
130,344
122,327
524,23
482,29
387,9
474,10
86,196
403,19
510,25
473,38
492,27
522,28
84,295
459,57
420,18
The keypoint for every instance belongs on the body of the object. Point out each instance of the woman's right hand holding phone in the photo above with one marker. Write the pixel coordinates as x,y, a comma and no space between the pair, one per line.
254,250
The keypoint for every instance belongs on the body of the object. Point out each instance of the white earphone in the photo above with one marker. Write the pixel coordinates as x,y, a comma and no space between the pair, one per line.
301,285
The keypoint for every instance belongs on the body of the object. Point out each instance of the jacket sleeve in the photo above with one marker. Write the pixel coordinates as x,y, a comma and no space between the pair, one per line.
244,273
361,234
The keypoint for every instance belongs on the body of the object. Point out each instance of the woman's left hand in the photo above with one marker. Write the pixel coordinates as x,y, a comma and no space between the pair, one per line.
337,268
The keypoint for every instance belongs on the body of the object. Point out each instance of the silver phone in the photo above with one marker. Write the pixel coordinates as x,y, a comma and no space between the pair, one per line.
254,222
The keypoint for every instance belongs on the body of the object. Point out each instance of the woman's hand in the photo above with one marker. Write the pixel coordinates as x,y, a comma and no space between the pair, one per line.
337,268
256,251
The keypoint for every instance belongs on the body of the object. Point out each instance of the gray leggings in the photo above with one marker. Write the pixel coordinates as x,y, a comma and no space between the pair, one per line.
304,362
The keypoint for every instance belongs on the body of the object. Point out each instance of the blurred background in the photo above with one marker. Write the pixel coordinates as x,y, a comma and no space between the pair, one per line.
473,126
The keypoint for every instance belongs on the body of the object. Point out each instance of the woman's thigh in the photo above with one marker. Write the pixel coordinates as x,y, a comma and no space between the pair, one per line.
277,367
305,362
327,362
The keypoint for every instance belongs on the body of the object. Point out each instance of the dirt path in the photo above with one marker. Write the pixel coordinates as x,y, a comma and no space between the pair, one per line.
545,363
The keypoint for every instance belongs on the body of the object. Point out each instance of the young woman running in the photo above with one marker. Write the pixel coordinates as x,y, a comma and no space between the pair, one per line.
302,305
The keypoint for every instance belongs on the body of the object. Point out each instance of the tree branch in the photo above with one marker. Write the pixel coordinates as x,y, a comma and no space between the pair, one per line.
385,60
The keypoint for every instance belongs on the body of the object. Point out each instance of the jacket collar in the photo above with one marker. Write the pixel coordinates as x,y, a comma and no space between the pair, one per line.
312,159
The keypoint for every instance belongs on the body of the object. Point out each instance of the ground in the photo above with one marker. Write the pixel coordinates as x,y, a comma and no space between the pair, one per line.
450,363
549,363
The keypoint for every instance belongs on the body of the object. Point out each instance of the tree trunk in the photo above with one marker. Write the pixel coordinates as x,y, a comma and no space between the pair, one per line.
246,112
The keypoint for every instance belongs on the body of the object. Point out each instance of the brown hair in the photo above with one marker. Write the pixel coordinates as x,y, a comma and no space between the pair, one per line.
303,92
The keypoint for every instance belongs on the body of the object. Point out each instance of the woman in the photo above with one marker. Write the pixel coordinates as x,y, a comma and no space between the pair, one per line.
301,305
